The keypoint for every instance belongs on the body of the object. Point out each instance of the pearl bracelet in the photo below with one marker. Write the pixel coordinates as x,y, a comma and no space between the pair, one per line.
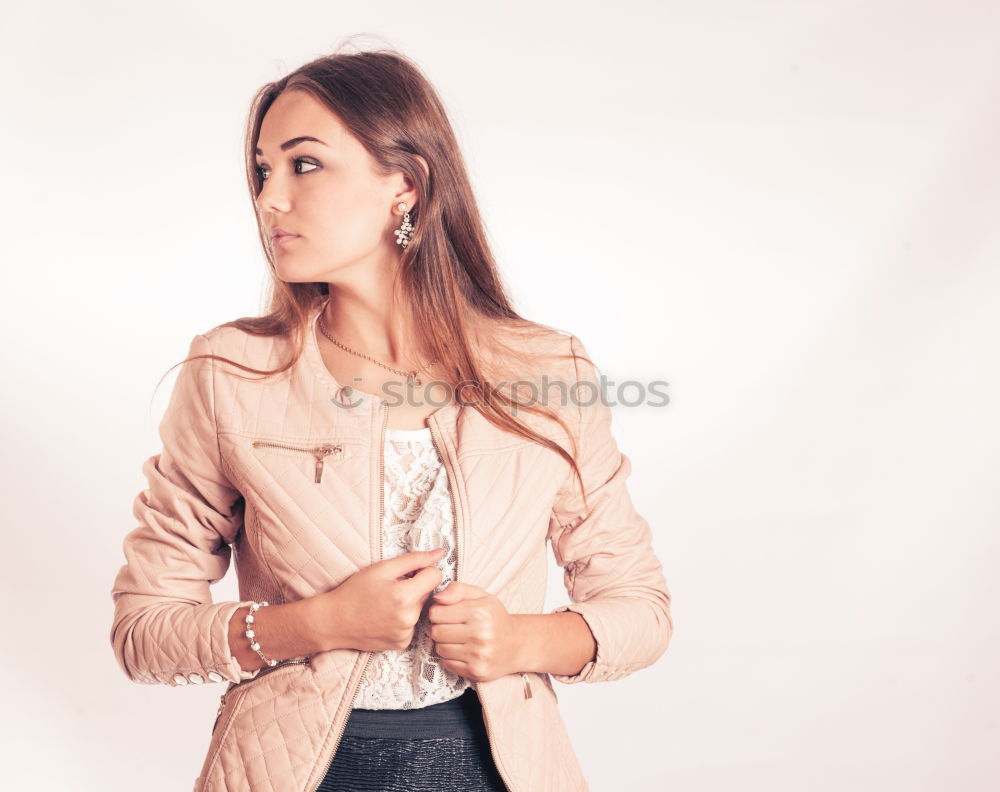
251,633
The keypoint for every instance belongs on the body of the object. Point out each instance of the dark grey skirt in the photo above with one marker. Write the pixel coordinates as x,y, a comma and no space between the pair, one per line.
439,748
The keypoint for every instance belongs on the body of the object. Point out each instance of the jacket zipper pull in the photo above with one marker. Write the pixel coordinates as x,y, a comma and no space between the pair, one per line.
222,706
321,452
527,686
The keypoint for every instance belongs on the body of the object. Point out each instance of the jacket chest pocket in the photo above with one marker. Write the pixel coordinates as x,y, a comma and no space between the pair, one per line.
318,453
302,502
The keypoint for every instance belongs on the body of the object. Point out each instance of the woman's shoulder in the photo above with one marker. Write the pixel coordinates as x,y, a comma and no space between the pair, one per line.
256,341
536,348
522,349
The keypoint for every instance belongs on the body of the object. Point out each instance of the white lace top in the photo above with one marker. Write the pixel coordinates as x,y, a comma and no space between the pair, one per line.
417,517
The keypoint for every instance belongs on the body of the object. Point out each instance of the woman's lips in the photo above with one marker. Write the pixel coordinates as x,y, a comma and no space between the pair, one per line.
282,239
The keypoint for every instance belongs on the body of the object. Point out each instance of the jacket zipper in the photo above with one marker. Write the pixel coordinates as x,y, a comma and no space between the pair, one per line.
458,559
319,452
381,516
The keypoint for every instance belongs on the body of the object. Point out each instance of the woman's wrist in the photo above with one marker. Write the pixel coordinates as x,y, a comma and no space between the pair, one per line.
553,643
282,631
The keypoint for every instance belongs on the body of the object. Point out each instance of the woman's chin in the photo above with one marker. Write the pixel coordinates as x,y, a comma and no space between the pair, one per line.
292,274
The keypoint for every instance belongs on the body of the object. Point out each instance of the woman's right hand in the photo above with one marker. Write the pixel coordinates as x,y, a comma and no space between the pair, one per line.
378,607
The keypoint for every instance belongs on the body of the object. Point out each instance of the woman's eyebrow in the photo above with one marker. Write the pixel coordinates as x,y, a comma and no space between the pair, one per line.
295,141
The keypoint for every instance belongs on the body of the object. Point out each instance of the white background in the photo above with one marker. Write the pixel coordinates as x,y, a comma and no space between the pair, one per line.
788,210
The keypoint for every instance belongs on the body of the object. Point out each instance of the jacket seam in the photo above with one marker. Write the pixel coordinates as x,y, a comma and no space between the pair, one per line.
579,429
215,417
465,455
576,369
258,541
265,436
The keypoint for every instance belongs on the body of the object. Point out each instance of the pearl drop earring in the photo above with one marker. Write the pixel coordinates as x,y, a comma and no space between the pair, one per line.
403,232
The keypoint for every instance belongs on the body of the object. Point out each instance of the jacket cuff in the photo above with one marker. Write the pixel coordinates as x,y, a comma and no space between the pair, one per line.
228,666
599,669
210,658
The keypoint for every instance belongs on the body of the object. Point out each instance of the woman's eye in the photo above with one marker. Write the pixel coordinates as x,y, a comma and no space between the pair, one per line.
261,170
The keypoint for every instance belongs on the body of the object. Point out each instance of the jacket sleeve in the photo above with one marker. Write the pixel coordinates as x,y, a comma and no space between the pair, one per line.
166,629
611,572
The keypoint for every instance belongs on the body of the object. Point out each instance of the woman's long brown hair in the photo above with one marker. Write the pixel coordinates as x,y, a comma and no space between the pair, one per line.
447,273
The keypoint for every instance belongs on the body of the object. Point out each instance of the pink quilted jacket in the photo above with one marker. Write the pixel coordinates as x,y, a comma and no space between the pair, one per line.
287,472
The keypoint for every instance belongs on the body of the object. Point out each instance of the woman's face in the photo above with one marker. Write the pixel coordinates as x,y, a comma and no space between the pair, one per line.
325,191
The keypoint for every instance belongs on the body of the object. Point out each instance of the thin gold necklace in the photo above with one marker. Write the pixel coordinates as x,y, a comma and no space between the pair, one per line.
411,376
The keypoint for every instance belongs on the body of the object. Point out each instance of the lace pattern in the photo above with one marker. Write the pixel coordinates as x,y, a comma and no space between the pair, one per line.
417,516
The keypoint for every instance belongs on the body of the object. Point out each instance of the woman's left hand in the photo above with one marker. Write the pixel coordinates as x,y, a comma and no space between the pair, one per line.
474,634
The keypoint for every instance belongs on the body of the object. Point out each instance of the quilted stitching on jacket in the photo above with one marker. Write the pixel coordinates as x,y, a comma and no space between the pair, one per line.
211,491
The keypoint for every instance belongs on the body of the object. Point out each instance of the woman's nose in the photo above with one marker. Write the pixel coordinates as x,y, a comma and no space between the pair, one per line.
272,196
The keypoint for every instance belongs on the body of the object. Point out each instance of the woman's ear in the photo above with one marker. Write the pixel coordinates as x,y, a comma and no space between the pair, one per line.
409,193
423,164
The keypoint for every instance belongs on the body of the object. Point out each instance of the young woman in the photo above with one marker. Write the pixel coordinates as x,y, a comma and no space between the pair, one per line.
371,453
